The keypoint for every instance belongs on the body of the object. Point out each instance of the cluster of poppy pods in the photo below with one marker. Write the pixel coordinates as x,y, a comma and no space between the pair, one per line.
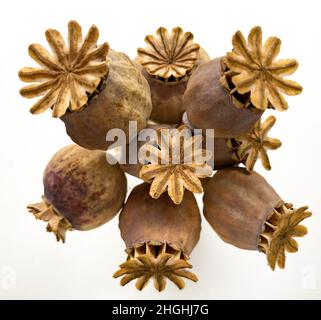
172,87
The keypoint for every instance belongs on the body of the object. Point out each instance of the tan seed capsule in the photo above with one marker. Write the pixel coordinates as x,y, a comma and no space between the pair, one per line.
90,88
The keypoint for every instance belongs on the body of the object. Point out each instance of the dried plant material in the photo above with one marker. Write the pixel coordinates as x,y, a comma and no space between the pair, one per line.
177,162
211,105
280,229
255,144
69,75
56,223
81,191
159,237
237,204
159,261
169,55
122,96
257,71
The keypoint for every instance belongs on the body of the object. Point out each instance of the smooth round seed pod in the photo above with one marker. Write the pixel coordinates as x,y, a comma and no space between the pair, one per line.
211,106
90,88
124,96
167,64
81,191
229,94
159,237
245,211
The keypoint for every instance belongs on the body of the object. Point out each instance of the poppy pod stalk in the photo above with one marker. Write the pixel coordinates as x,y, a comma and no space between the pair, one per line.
159,238
81,191
167,63
229,94
91,88
246,212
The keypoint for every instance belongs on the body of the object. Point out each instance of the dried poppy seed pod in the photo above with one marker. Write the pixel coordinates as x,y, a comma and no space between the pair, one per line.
90,88
246,212
167,63
81,191
229,94
159,238
210,106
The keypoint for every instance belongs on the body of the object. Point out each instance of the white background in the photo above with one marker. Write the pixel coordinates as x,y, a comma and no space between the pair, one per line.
39,267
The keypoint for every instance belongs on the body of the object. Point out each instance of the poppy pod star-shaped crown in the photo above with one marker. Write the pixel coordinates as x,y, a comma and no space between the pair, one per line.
169,54
254,145
255,70
69,75
178,162
158,261
281,227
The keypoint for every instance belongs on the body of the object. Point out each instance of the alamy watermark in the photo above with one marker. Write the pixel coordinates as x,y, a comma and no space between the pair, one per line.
309,277
171,143
8,278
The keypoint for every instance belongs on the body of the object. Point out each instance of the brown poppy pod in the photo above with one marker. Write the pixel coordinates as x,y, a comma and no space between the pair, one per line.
211,106
167,64
245,211
229,94
81,191
124,96
90,88
159,237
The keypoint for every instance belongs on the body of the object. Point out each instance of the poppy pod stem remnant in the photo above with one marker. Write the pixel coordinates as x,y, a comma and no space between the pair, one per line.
91,88
246,212
167,63
159,237
230,93
81,191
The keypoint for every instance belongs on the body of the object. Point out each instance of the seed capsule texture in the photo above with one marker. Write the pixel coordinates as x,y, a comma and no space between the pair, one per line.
229,94
91,88
174,88
81,191
167,63
159,237
245,211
